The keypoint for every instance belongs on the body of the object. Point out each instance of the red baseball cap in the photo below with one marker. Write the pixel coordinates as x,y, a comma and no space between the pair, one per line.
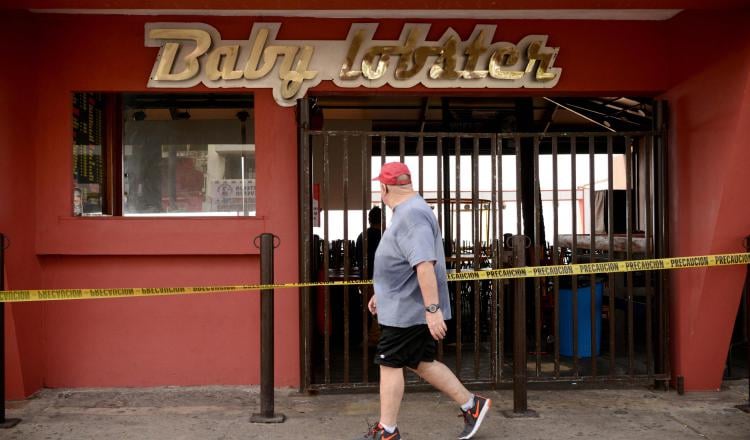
390,172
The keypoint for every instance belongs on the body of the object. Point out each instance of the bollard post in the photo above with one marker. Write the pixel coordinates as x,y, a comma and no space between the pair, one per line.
266,414
4,423
520,403
746,406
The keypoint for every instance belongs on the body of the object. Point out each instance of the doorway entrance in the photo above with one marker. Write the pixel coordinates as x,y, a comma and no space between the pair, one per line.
582,179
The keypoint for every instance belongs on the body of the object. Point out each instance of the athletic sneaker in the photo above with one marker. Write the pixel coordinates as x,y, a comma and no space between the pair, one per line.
473,417
377,432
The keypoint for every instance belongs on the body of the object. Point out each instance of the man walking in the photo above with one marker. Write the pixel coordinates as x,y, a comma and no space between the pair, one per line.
411,301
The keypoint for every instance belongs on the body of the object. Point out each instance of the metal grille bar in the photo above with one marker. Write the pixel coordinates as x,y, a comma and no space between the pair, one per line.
473,219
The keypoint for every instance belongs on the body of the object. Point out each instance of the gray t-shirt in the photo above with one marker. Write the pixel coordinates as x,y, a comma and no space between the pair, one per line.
412,237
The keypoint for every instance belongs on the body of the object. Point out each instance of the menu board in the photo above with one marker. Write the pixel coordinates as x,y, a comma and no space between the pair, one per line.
88,162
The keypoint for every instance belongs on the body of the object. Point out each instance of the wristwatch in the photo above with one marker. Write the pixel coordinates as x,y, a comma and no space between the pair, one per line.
432,308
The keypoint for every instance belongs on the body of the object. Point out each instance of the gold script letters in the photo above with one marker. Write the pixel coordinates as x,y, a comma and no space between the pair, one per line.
193,53
221,63
503,61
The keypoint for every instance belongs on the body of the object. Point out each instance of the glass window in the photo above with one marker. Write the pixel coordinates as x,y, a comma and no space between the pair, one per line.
88,162
188,155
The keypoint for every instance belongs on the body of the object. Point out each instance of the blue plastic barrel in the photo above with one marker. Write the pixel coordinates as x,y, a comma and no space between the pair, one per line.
565,331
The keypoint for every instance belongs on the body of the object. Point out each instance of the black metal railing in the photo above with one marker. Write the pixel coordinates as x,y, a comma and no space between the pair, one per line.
746,294
5,423
267,414
611,212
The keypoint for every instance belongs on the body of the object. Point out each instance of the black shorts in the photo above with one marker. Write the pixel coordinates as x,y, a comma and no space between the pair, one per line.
405,347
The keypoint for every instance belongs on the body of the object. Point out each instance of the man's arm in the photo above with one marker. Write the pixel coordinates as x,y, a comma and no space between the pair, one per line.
428,286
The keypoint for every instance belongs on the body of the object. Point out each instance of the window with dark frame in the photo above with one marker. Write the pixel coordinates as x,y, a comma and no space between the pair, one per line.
174,154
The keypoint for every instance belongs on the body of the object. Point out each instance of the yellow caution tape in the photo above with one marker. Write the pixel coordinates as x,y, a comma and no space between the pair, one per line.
494,274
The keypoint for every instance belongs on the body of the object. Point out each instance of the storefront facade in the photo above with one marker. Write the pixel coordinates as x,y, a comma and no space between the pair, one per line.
697,61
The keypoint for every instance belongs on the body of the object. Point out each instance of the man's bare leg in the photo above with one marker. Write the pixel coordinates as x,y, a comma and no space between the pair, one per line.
442,378
391,393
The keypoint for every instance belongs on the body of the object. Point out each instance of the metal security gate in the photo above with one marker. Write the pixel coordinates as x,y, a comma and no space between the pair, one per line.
577,197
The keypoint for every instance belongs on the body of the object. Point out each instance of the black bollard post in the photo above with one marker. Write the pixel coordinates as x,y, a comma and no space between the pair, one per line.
4,423
520,404
266,414
746,407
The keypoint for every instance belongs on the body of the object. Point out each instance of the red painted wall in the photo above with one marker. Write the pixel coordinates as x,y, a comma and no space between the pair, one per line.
23,322
710,205
214,339
156,341
179,340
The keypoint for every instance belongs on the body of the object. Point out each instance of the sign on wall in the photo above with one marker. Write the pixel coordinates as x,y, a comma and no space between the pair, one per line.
195,53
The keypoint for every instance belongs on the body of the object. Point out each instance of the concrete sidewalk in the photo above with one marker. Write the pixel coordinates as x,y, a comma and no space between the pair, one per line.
206,413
